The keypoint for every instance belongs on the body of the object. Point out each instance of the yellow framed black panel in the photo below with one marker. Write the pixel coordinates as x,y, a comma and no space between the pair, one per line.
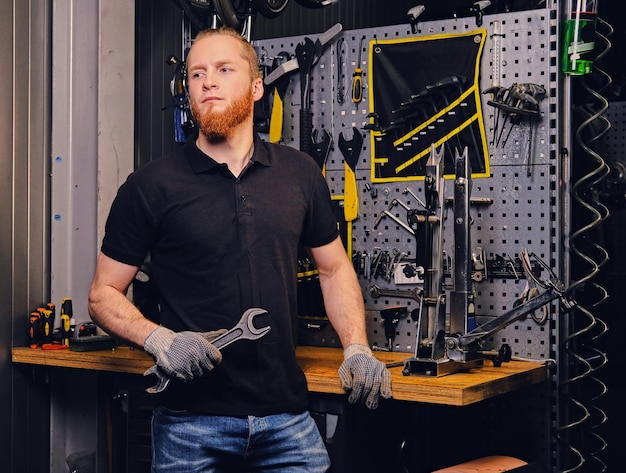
425,91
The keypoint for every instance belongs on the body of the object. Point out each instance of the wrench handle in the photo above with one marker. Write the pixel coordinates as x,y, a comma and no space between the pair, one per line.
227,338
220,342
306,130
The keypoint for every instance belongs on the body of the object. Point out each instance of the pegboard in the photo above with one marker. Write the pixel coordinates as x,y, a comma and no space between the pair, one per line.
514,207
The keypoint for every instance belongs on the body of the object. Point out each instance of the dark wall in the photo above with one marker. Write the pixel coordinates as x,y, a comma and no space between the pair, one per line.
25,93
159,35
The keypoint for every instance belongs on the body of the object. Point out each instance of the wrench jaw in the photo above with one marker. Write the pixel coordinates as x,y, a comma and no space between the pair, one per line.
245,329
251,314
162,380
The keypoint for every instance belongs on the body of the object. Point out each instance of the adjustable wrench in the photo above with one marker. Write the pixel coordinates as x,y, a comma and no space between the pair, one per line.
244,329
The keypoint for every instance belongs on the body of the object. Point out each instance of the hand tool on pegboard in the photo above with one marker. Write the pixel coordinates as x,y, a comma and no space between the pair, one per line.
321,149
308,53
357,77
305,52
262,110
391,318
293,65
183,124
280,86
350,149
340,88
478,10
518,101
413,15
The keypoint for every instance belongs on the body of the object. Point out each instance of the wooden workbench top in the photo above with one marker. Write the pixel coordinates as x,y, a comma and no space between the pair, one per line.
320,366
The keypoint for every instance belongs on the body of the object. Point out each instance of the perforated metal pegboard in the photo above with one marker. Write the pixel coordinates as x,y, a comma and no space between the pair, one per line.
519,198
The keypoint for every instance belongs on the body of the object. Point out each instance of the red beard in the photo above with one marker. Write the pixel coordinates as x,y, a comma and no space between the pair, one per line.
220,125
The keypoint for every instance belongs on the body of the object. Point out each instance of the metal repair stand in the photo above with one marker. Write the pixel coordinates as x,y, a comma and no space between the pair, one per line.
448,345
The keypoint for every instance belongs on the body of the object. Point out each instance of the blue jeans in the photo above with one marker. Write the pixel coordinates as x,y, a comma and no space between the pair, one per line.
190,443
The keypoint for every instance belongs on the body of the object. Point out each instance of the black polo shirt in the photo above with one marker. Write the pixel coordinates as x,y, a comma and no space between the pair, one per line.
218,246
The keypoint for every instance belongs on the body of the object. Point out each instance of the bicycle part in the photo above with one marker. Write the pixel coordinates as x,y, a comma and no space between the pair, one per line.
270,8
316,3
196,12
232,13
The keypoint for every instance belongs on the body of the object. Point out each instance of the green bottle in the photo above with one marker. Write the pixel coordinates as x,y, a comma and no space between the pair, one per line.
579,35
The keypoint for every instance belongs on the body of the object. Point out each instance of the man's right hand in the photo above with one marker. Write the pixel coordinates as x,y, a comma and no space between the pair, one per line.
183,355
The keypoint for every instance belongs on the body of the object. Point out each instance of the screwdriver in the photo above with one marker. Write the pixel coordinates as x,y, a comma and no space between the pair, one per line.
66,320
45,324
357,77
53,313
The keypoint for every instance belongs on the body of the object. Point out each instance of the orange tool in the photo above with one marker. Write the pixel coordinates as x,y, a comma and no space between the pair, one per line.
34,329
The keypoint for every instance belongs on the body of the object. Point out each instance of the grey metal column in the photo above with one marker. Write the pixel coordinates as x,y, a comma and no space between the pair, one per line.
91,152
74,149
73,208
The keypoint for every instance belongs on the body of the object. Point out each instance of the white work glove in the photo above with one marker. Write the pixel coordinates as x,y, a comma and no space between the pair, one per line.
365,377
183,355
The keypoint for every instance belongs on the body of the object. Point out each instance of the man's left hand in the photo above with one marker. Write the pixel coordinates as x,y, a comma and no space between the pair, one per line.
366,378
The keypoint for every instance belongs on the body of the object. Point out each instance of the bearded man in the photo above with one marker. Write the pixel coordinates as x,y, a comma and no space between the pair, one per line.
222,220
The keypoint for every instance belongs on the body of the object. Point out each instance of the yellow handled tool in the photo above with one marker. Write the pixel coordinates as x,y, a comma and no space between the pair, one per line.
66,320
280,89
357,77
276,118
350,149
350,195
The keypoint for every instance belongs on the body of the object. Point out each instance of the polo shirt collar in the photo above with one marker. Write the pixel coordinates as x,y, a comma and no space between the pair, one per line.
201,162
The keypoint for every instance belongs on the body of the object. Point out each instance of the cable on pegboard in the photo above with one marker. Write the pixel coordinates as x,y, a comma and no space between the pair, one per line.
581,417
